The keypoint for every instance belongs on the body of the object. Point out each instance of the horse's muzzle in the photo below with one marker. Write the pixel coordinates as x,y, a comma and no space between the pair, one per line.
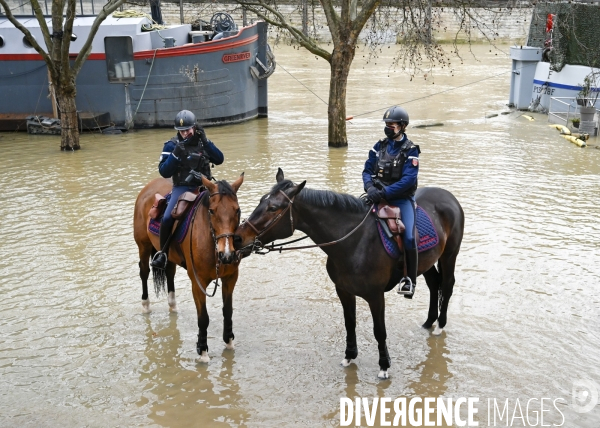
227,257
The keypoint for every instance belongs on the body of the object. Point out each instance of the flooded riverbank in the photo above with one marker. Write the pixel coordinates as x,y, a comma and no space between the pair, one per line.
77,351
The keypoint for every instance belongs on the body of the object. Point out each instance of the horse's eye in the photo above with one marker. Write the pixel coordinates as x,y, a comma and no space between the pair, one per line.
272,208
211,212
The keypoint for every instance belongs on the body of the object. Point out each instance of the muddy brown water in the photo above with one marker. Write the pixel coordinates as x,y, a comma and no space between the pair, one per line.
75,349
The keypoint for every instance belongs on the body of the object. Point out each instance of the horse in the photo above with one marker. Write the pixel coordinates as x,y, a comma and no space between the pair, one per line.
357,262
206,252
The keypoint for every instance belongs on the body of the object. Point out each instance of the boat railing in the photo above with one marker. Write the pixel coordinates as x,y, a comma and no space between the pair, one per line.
21,8
565,108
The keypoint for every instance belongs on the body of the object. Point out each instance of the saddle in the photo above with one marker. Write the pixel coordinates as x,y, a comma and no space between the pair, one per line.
185,201
390,219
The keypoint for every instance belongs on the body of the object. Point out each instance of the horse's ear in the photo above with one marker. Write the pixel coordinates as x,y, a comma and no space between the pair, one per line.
295,190
212,187
279,176
237,183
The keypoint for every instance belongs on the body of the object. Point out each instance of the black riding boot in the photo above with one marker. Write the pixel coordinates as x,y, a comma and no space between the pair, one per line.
412,264
160,259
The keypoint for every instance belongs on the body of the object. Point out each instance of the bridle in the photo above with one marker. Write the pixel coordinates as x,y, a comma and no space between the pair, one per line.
216,242
275,219
256,245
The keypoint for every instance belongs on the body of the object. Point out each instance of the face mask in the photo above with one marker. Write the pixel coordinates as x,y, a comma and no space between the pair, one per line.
389,132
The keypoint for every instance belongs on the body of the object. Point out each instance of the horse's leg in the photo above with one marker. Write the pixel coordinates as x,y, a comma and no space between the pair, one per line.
446,267
227,293
144,264
377,305
349,304
203,321
433,279
171,268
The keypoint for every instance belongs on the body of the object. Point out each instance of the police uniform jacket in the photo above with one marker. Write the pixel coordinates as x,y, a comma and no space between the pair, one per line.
169,164
407,183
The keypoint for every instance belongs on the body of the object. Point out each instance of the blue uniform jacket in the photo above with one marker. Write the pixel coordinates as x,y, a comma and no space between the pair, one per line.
410,170
169,163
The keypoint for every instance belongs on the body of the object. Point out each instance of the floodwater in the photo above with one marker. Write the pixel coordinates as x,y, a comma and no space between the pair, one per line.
76,349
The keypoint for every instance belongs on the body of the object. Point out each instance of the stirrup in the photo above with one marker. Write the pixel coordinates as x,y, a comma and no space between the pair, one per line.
411,287
158,262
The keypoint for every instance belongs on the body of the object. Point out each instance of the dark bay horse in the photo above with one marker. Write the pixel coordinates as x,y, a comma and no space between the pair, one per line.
357,262
207,250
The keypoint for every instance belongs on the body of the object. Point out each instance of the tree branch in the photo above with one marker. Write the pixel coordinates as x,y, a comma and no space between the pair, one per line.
86,49
280,21
25,31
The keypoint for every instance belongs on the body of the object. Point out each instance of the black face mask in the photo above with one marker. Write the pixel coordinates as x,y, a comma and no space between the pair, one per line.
389,132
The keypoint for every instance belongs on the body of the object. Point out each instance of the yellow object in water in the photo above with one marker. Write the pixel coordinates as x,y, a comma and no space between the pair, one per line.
528,117
563,129
574,140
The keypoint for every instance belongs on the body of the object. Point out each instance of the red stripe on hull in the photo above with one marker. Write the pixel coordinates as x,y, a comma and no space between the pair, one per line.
193,49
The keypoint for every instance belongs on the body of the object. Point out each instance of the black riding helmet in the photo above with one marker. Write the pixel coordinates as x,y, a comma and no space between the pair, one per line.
185,119
396,114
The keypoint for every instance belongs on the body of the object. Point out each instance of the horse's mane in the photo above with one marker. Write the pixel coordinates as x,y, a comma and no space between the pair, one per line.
224,189
326,198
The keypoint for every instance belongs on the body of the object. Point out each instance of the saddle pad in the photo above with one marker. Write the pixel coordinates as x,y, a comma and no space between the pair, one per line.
154,225
428,237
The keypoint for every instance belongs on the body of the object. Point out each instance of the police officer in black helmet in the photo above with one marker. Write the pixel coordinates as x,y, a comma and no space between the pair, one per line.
391,173
188,150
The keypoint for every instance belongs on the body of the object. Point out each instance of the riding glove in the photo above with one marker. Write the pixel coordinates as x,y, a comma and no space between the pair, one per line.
179,150
375,194
201,134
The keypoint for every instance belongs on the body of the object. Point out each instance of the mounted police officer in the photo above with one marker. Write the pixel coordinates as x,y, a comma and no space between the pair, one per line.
391,173
188,151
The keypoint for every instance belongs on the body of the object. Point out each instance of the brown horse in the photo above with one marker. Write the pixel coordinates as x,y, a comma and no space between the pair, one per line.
206,251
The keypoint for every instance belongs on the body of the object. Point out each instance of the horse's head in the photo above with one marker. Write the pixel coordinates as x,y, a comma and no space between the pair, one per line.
272,219
224,215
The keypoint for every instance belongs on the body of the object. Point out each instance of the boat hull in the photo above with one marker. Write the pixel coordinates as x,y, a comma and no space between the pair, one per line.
213,79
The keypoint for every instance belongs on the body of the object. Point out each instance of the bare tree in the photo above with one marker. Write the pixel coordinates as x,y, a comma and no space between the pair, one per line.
407,22
56,55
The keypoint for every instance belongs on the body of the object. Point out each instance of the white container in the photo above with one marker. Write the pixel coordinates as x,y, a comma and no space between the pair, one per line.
131,69
125,69
118,71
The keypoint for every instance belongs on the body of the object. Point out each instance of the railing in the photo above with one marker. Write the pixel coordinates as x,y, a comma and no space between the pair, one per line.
564,111
23,8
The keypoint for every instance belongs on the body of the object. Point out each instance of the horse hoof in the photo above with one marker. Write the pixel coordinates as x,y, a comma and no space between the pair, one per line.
346,363
146,306
204,358
383,374
437,331
172,302
230,345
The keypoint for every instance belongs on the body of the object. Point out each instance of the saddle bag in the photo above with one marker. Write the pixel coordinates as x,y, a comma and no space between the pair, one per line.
185,201
160,203
392,217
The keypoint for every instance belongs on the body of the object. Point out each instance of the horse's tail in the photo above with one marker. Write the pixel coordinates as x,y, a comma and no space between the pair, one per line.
159,277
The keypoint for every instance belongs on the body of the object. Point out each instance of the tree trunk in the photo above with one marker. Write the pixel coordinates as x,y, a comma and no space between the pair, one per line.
69,134
336,111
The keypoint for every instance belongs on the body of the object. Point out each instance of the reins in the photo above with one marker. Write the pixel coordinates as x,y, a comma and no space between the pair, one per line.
256,244
215,240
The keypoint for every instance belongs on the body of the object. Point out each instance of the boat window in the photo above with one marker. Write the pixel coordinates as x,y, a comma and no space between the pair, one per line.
119,59
26,42
1,42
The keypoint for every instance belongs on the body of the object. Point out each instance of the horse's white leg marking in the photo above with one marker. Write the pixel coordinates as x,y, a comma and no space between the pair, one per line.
230,345
146,306
204,358
346,362
437,331
383,374
172,301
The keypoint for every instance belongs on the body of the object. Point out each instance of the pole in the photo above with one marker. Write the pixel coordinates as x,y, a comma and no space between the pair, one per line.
181,11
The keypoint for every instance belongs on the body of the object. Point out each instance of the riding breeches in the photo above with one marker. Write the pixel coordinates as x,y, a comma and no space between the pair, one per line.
408,208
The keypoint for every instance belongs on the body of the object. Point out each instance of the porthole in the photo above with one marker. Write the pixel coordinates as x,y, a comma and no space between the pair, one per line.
26,43
1,42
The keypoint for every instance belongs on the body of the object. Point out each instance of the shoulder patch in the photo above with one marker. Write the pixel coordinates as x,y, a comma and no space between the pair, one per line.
415,162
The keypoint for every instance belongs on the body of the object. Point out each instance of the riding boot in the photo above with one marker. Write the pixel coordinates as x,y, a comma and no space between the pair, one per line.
409,284
160,259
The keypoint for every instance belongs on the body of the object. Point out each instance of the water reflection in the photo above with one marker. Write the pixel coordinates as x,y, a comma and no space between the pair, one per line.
179,391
